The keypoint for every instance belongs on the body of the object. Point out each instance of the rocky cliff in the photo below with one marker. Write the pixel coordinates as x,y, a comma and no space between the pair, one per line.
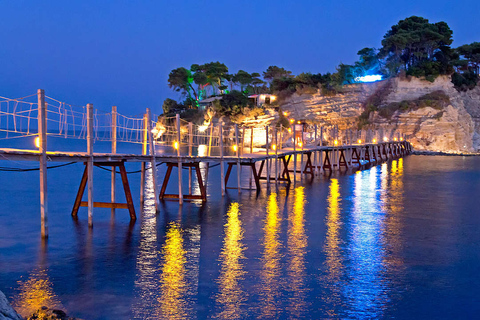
454,128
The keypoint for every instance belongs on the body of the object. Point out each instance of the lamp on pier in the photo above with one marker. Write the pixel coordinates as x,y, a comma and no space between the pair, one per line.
335,142
175,145
37,142
374,141
235,148
359,141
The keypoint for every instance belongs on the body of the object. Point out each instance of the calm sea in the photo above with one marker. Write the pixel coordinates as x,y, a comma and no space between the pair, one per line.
399,240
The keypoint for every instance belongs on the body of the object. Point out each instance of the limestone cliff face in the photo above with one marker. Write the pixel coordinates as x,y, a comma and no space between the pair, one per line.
455,129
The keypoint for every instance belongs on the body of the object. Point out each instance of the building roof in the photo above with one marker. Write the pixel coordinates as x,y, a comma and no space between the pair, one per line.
208,100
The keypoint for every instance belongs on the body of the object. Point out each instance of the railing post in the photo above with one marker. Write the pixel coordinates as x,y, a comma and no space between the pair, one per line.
114,151
251,151
153,159
144,152
320,154
42,135
90,162
268,159
276,155
315,163
222,168
238,159
190,145
180,192
294,153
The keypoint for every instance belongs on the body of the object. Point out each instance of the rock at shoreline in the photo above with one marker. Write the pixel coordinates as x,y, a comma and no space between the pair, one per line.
6,310
45,313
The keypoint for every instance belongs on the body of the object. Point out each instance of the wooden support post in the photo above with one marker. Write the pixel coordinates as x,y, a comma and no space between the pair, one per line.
281,136
42,134
209,139
190,144
276,155
238,159
315,163
268,160
179,137
128,194
222,168
301,154
252,168
144,152
90,162
294,153
153,159
114,151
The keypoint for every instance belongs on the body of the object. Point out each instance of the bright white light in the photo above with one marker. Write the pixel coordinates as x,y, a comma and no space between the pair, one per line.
372,78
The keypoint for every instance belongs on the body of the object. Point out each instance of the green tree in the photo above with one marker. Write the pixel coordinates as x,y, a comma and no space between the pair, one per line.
417,46
200,79
471,56
211,74
231,104
256,82
368,62
169,105
181,80
274,72
243,79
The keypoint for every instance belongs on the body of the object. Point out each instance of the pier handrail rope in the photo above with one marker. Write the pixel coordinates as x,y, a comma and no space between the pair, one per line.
19,118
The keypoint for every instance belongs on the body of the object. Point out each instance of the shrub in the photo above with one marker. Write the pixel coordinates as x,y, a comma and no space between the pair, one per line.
464,81
437,100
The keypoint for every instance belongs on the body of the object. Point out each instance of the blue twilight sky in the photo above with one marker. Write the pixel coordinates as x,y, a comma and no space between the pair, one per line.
120,52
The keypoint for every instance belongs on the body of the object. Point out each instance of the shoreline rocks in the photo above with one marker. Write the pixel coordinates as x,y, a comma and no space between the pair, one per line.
6,310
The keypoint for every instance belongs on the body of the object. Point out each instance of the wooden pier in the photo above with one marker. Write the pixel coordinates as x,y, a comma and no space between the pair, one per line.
317,152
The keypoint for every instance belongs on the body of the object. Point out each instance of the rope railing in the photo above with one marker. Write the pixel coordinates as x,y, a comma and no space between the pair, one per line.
19,118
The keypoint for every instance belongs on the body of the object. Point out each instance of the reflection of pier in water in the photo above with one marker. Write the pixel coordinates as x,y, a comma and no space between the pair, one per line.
297,246
271,281
231,296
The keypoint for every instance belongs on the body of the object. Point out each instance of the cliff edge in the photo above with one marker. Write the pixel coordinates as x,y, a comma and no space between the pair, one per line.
451,127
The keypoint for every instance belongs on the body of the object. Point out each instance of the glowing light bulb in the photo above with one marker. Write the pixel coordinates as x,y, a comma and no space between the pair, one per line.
401,139
175,145
274,147
359,141
292,120
385,139
335,142
374,141
285,113
37,142
394,139
289,130
235,148
300,144
298,121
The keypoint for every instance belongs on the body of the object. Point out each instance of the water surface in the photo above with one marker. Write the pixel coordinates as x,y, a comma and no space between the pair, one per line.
399,240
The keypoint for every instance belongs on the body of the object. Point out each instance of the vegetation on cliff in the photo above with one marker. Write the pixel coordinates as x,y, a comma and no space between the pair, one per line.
437,100
414,47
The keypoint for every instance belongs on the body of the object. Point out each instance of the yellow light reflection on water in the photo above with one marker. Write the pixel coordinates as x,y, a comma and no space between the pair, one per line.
394,207
332,249
36,292
297,245
271,266
147,260
231,295
173,304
